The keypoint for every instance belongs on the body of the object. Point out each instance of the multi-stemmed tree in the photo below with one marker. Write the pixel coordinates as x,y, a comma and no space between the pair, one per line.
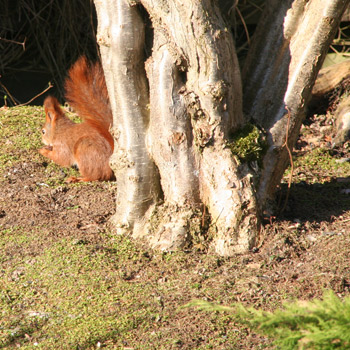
180,114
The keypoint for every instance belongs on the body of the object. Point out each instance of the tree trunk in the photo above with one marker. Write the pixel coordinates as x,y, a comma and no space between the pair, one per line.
121,38
288,50
195,99
176,173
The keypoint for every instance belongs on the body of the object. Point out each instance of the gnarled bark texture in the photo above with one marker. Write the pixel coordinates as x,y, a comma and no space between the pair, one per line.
195,99
172,157
289,47
121,39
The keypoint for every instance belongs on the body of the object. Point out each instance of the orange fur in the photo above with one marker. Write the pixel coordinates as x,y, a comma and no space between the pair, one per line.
88,145
86,92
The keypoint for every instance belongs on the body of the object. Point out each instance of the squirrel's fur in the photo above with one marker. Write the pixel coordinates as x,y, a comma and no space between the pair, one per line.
89,144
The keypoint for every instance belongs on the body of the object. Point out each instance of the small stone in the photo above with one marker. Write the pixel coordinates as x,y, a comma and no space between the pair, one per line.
311,238
342,160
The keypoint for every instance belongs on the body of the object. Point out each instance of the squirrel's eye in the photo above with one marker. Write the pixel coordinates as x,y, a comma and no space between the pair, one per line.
43,131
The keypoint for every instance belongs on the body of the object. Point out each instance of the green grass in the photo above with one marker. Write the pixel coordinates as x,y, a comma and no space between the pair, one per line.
323,166
19,134
21,126
74,295
69,296
318,324
68,291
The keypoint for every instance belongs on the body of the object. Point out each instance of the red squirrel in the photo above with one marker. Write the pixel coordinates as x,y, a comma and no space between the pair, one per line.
89,144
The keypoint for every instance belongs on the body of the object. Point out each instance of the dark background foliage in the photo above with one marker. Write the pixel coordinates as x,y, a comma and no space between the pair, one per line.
40,39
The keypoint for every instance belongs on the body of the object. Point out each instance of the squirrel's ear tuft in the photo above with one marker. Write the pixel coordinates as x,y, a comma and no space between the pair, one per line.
52,108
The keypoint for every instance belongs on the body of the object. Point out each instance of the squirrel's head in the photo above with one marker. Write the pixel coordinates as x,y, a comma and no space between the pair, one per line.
53,113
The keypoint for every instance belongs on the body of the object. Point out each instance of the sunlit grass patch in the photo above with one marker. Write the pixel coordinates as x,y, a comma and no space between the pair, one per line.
319,166
69,296
19,135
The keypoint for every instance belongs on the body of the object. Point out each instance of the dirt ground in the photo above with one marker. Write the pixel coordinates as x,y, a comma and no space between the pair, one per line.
302,251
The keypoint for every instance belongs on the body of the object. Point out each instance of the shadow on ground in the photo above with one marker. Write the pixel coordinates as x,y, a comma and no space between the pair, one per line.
316,202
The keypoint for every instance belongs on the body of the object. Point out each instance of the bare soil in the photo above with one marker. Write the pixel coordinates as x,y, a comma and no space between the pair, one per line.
302,251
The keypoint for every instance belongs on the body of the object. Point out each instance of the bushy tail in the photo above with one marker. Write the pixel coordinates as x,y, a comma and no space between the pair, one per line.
86,92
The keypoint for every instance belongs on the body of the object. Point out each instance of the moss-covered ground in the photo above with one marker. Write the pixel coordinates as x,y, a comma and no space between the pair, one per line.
68,282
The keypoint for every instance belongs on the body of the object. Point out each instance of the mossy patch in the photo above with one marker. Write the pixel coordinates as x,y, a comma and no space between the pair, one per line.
61,298
248,143
324,167
67,282
19,133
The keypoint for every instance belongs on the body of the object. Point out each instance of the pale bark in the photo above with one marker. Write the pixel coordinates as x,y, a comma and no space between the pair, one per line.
170,142
288,50
121,39
342,122
195,103
196,117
